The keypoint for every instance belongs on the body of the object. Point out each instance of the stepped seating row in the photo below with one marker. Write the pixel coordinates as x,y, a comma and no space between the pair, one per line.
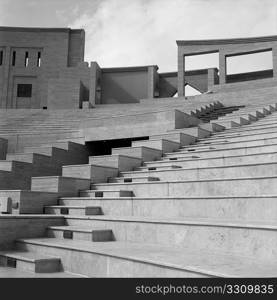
47,159
17,169
66,118
43,160
124,210
21,135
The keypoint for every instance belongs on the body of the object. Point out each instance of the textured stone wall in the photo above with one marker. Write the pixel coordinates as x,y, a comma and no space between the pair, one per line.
58,48
124,85
15,227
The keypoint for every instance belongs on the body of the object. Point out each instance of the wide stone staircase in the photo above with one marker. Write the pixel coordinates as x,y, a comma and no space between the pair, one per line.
190,202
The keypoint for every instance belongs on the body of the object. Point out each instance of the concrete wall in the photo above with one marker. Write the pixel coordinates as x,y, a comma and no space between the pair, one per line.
249,76
167,84
124,85
102,86
245,85
15,227
59,48
133,125
64,93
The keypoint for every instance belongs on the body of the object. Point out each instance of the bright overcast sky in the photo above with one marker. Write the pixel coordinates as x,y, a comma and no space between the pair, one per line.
142,32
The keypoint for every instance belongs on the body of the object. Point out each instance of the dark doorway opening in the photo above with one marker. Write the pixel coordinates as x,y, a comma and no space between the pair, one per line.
105,147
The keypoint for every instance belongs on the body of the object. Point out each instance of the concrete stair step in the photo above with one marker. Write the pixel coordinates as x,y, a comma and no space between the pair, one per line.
133,179
10,272
249,238
238,137
248,117
58,155
222,152
162,144
105,193
248,208
142,152
11,165
80,233
149,260
64,186
89,201
249,128
39,165
157,167
198,173
30,261
65,144
29,157
29,202
247,186
247,111
266,121
179,137
46,150
121,162
216,161
263,124
73,210
228,124
228,145
197,132
94,173
212,127
255,126
272,117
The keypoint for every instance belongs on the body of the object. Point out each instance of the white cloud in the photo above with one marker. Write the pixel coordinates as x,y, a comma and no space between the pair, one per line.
139,32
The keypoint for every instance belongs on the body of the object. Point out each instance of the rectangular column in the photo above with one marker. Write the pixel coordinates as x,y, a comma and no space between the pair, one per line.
6,75
181,75
212,77
152,79
274,63
222,67
95,84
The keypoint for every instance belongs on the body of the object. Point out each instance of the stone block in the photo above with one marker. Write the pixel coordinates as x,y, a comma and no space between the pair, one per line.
94,173
121,162
64,186
178,137
144,153
162,144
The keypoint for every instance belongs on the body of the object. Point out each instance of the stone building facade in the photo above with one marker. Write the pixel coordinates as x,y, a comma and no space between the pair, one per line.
29,57
44,68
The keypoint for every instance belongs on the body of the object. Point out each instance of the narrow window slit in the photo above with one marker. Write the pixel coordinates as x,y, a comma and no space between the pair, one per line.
26,63
39,60
13,58
1,57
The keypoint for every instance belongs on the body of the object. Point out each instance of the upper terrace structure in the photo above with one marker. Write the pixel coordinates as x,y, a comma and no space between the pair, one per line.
44,68
225,48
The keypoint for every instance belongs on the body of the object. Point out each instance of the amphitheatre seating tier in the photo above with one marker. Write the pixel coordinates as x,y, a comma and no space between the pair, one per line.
206,190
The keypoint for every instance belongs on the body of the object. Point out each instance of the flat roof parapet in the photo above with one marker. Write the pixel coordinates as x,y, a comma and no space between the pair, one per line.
39,29
227,41
127,69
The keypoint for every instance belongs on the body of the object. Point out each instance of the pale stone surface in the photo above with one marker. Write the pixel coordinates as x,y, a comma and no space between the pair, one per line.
195,194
